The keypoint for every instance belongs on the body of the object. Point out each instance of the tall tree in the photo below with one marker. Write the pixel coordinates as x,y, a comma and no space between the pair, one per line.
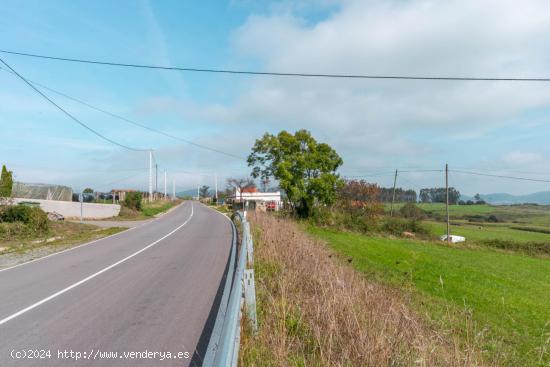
437,195
204,191
6,182
305,169
239,184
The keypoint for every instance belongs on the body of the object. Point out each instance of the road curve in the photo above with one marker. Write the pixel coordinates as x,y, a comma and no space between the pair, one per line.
139,298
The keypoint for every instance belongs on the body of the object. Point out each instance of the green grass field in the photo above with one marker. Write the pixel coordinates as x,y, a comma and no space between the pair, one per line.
480,232
521,224
507,293
532,215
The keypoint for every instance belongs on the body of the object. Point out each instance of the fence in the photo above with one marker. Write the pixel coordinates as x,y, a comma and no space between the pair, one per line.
238,294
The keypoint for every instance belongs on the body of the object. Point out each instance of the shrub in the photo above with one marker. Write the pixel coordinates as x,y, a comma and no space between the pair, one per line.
12,231
493,219
133,200
359,220
6,182
531,248
483,218
532,229
34,217
411,210
397,226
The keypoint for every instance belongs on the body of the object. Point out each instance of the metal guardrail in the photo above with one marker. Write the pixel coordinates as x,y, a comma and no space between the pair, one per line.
239,292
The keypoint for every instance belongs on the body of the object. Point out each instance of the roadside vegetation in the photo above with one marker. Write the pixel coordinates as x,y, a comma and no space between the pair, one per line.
314,309
25,229
504,294
487,279
135,208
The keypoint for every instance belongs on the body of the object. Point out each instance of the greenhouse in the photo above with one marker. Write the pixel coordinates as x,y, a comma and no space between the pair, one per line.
41,191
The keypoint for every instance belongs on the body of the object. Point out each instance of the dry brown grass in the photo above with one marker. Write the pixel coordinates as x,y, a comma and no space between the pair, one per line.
315,310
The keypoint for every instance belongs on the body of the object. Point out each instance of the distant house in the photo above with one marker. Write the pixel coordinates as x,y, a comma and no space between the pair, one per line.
120,194
267,200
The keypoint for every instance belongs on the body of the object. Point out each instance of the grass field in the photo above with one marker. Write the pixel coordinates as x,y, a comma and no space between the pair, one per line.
480,232
521,228
533,215
509,294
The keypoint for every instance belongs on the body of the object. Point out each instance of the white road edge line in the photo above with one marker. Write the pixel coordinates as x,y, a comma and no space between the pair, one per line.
21,312
84,244
217,211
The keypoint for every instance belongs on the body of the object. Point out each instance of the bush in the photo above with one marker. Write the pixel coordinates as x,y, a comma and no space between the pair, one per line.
397,226
34,217
483,218
133,200
411,210
12,231
531,248
359,220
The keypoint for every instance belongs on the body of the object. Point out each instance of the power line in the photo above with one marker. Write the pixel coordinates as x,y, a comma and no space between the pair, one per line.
388,173
269,73
17,166
422,171
506,170
131,121
500,176
68,114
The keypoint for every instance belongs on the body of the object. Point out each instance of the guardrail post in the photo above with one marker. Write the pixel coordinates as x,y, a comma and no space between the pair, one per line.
250,297
248,278
249,245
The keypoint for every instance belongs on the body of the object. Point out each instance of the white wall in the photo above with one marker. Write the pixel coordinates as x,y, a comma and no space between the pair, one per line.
70,209
258,196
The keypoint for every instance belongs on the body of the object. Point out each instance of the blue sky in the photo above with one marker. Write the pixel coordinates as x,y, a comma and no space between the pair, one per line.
376,126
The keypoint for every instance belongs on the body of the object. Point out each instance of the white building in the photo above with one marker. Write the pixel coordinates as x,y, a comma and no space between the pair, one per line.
270,200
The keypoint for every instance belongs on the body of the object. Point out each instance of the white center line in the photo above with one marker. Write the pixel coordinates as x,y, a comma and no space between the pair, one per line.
21,312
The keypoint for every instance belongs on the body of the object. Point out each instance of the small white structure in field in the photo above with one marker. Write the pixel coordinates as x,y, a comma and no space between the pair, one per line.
454,238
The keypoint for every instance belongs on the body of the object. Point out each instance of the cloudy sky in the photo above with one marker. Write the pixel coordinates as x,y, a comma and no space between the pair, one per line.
377,126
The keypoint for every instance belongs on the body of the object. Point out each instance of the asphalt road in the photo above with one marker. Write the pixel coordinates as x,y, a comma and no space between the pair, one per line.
147,290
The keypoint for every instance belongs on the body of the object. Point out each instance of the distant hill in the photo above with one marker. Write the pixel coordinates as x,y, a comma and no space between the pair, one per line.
542,198
190,192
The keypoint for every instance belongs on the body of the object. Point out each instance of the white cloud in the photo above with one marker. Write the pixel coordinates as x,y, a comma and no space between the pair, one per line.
523,158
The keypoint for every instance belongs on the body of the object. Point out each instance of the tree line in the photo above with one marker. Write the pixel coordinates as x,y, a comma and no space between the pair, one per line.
438,195
385,195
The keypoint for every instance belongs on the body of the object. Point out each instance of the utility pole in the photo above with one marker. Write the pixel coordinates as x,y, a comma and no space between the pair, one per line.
81,199
216,187
393,195
198,192
150,175
156,179
174,189
447,201
165,185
